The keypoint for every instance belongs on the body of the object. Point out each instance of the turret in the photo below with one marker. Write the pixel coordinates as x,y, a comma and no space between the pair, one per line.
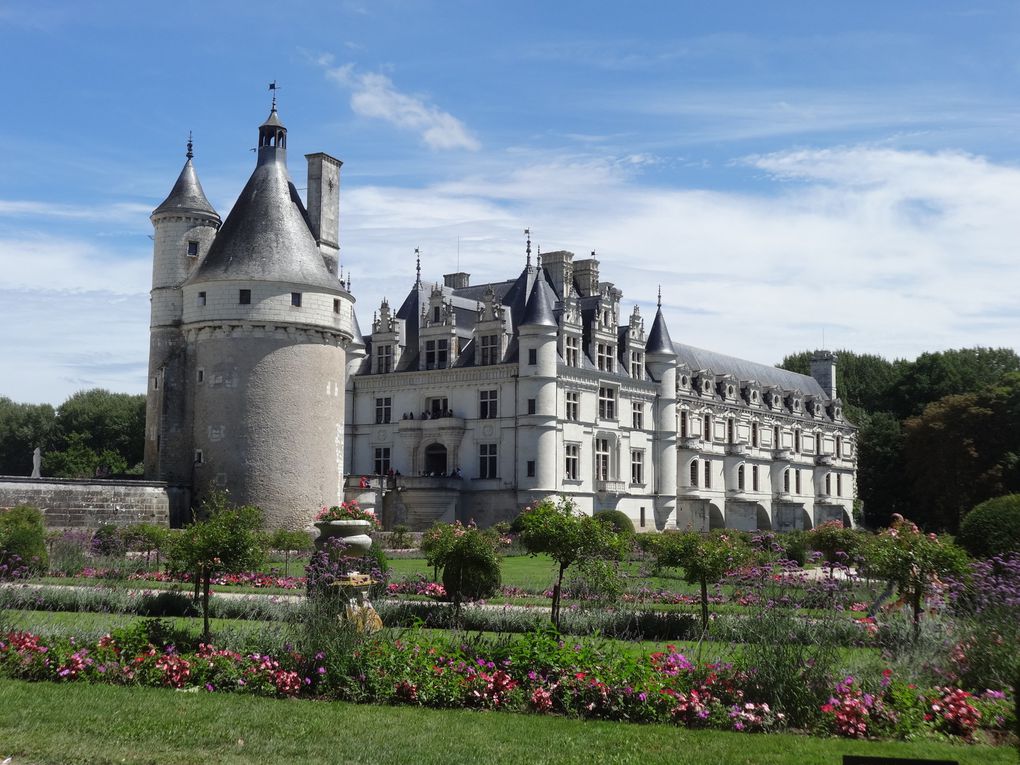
536,402
185,225
661,361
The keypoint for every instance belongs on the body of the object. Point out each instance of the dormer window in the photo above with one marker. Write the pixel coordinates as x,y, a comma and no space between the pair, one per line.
436,313
573,349
637,365
729,391
384,359
754,396
683,381
489,348
436,353
605,353
708,386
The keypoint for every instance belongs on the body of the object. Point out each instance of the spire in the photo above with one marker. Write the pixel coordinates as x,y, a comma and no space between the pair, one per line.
417,267
527,248
539,310
187,195
659,301
659,340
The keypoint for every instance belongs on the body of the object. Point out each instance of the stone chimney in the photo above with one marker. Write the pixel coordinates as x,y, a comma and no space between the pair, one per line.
457,281
560,267
823,369
324,205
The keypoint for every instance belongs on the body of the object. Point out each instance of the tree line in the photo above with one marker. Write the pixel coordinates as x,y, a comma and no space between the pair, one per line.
938,434
93,433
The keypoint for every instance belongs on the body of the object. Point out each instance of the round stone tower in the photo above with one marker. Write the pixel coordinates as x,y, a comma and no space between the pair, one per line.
185,225
661,359
267,326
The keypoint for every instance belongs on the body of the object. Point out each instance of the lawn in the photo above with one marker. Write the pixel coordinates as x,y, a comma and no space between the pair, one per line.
47,724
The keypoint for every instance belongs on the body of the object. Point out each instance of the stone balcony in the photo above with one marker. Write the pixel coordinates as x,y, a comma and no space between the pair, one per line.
737,450
784,455
824,459
611,487
691,443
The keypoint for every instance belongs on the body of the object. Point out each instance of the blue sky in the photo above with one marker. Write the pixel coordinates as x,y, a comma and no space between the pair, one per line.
784,170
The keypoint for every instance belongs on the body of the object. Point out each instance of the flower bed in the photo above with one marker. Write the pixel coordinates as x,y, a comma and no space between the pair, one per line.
539,673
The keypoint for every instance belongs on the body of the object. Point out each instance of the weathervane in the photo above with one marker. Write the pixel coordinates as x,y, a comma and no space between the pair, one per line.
527,233
274,87
190,153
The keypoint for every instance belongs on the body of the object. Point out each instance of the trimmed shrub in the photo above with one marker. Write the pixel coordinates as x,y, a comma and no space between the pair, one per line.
795,546
471,569
616,519
23,538
992,528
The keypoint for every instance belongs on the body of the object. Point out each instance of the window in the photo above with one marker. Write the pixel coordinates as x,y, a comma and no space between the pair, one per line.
201,375
605,354
786,480
828,484
382,460
201,298
839,446
642,521
437,314
384,359
706,430
487,461
637,466
532,356
531,468
694,472
489,345
796,476
573,345
437,407
637,365
708,474
776,441
754,478
754,434
839,485
818,443
244,297
192,249
572,467
573,405
155,383
607,403
683,424
199,457
383,411
637,415
436,353
488,408
336,305
731,431
295,299
796,442
532,404
601,459
740,478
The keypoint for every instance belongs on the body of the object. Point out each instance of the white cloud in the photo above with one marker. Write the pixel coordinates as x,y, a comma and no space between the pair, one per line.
373,95
886,251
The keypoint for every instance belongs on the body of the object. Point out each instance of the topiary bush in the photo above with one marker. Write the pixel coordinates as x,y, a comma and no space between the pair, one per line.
616,519
22,540
992,528
471,570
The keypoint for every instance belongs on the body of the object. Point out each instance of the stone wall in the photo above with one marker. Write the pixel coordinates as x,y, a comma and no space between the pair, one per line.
91,503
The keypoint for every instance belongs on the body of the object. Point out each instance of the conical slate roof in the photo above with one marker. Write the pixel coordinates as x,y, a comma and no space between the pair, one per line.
539,310
658,338
266,237
187,195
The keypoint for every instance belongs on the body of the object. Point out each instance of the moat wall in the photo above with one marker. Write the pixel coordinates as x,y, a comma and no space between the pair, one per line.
92,503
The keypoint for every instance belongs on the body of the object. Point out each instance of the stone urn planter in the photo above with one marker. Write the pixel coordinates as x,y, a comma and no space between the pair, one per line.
354,534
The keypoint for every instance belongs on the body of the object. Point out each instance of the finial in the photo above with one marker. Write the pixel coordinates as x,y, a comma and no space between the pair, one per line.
659,303
190,153
527,233
417,257
538,255
348,280
274,87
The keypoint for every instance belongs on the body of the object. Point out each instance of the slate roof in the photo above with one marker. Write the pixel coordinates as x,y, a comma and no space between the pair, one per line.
187,196
698,358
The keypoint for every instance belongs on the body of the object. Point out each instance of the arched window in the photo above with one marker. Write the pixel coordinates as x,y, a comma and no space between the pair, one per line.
786,480
694,472
740,478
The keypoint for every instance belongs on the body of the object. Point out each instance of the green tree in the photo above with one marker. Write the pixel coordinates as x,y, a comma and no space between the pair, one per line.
705,559
471,565
913,561
863,380
106,421
78,460
289,542
436,544
22,540
992,527
880,468
23,427
566,536
932,376
226,541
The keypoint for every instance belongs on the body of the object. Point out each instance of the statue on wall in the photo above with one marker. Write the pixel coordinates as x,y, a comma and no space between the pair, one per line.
37,463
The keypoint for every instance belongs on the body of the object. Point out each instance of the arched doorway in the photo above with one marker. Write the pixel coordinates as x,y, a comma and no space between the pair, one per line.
716,520
435,459
763,522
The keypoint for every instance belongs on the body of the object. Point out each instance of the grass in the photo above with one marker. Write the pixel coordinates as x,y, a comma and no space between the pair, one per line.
47,724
